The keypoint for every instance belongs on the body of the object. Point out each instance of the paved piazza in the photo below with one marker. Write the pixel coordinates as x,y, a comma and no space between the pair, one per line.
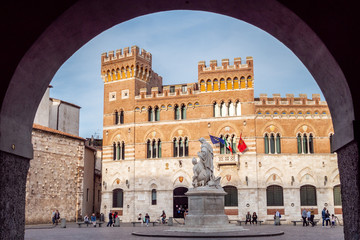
40,232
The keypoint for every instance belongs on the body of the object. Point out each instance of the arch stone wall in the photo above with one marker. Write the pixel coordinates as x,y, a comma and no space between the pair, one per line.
52,33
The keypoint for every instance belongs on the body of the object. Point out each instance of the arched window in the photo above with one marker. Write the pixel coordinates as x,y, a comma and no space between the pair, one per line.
266,143
150,114
223,109
249,82
118,198
214,109
299,143
153,197
229,83
154,145
176,112
236,83
183,111
157,113
227,141
274,196
242,82
202,86
231,108
181,147
231,198
311,144
175,148
233,143
222,84
308,195
159,148
272,143
186,147
337,196
123,151
148,149
121,117
216,85
278,143
222,147
118,151
305,143
114,151
331,143
208,86
116,117
238,108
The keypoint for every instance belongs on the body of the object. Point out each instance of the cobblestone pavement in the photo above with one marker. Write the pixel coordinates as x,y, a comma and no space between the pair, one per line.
72,232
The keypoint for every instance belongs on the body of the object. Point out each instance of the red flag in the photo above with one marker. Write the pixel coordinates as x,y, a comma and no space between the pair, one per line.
241,146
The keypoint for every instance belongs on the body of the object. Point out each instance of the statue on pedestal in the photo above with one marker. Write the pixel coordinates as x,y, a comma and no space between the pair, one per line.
204,168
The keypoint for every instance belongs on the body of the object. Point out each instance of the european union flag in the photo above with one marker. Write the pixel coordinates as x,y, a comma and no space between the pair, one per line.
216,140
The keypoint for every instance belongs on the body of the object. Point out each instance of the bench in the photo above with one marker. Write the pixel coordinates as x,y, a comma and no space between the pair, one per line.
89,223
300,221
273,220
153,223
244,221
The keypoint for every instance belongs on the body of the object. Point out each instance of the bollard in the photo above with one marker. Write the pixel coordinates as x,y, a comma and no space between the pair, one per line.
170,221
63,223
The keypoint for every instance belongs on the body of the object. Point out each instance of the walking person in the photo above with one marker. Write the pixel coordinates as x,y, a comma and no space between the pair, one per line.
312,215
308,215
323,216
304,216
53,217
110,223
163,217
140,219
57,216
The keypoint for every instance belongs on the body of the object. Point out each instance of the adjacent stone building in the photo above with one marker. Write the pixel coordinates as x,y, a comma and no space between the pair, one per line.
151,133
65,173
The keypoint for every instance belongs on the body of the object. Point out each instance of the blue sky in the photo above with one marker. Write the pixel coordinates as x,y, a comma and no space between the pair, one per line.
178,40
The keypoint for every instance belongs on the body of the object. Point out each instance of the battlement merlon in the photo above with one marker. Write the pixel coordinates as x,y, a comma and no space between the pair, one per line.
125,53
289,100
225,64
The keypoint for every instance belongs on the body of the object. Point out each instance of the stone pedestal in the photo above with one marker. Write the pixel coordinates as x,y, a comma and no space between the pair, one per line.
206,207
206,212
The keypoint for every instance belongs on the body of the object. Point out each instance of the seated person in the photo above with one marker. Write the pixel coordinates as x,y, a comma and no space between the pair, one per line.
248,218
254,218
86,219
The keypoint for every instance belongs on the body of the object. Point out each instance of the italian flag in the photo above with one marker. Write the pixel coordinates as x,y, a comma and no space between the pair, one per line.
228,145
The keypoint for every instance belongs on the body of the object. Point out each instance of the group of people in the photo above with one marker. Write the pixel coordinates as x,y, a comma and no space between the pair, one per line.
327,218
251,218
146,219
91,220
308,217
112,217
55,217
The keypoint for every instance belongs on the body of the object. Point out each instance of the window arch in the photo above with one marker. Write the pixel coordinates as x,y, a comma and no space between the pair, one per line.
266,143
308,195
222,146
299,146
148,149
272,143
150,114
242,82
118,197
175,148
121,117
249,82
157,113
181,147
123,150
118,151
222,84
233,143
236,83
202,86
114,151
154,147
215,107
274,195
311,143
159,148
231,198
278,143
183,111
238,108
153,197
305,143
116,117
223,109
337,195
176,112
216,85
331,142
186,143
231,109
208,85
229,84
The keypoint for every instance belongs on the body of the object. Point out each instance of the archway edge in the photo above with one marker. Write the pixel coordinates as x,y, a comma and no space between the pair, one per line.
86,19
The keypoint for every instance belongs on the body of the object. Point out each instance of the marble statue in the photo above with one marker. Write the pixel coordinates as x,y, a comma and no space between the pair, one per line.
204,168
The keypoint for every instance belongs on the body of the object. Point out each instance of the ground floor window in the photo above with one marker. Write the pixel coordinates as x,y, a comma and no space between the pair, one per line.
337,196
118,198
231,198
308,195
274,196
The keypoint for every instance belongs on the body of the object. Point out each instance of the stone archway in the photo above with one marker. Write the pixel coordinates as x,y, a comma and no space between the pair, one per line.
83,20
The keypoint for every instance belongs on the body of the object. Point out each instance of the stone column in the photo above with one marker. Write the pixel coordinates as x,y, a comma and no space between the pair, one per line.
348,163
13,173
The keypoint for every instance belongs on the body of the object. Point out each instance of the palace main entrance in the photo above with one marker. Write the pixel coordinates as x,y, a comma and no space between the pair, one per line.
180,202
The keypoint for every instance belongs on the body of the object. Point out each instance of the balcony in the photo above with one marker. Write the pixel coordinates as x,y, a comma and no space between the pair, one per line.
226,160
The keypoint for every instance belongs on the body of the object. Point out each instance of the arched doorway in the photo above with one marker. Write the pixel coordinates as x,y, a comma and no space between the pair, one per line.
32,64
180,202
